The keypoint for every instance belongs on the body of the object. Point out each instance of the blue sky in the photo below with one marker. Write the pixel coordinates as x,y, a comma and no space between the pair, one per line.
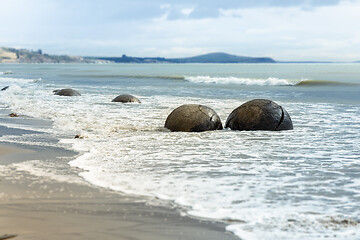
281,29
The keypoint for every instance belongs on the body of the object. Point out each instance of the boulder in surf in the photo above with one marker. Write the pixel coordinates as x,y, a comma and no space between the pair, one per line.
193,118
259,114
67,92
126,98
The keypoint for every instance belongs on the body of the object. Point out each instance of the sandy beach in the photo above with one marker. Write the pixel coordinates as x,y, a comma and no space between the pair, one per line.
35,207
7,150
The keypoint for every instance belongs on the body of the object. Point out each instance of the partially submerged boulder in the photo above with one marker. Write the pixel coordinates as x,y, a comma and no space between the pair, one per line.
259,114
193,118
126,98
67,92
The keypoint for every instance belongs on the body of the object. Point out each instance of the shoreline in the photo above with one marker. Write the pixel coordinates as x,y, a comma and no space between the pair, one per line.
41,207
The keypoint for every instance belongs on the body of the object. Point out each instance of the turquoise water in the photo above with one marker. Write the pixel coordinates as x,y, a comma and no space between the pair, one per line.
300,184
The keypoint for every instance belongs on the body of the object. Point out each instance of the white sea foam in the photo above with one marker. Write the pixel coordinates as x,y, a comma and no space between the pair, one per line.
41,169
6,72
12,81
242,81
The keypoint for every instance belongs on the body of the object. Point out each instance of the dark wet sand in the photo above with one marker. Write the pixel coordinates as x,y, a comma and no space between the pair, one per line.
36,207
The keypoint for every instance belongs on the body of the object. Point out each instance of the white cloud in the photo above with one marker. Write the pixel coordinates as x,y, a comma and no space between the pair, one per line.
187,11
292,33
284,30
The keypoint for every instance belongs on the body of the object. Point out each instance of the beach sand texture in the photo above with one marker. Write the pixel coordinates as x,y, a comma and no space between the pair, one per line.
6,150
36,207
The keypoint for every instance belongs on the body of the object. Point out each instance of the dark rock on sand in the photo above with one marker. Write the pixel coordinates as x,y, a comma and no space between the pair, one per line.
259,114
193,118
125,98
67,92
4,88
79,136
13,115
7,236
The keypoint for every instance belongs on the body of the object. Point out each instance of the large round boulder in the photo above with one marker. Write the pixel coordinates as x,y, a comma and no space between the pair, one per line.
67,92
259,114
193,118
126,98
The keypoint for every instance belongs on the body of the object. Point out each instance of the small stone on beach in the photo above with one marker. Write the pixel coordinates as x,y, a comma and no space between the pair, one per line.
7,236
4,88
13,115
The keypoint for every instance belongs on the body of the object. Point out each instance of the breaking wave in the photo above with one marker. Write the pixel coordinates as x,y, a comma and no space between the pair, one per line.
242,81
271,81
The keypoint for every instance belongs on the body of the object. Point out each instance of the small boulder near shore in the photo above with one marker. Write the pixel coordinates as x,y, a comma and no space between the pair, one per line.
126,98
259,114
193,118
67,92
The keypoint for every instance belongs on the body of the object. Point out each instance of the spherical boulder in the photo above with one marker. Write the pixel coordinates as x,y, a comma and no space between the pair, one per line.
259,114
125,98
193,118
67,92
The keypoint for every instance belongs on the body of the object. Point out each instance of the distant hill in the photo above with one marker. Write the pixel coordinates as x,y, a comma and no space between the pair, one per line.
206,58
12,55
222,58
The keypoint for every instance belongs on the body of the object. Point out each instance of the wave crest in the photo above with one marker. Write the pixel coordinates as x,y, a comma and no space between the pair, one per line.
242,81
271,81
322,83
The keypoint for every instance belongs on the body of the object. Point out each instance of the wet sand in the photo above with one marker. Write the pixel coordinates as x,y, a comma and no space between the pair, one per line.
37,207
6,150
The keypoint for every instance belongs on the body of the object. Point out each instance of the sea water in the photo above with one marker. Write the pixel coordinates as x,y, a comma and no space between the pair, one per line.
298,184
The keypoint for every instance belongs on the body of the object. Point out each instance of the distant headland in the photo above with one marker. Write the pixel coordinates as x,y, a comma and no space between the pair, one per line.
218,57
12,55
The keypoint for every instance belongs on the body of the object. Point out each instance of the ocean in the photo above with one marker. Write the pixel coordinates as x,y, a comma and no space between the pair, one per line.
297,184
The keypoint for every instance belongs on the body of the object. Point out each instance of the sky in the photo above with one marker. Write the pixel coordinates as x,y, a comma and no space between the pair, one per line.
286,30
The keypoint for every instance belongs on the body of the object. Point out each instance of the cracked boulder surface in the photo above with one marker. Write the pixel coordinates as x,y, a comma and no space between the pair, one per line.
67,92
193,118
259,114
126,98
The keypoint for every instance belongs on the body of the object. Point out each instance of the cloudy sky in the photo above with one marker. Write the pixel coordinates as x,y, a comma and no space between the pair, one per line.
281,29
